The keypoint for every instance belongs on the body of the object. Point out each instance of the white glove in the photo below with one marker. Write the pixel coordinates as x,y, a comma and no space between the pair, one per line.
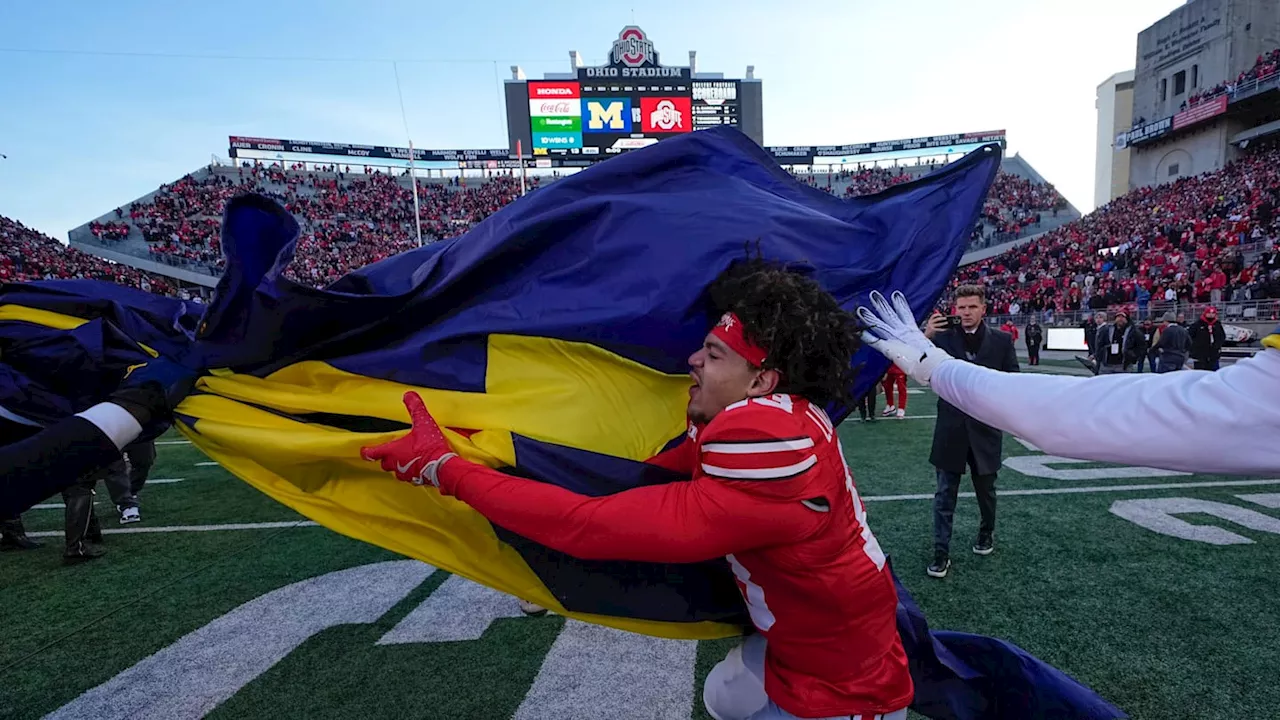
894,333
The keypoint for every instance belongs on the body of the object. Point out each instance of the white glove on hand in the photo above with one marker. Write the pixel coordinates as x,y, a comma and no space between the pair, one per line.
894,333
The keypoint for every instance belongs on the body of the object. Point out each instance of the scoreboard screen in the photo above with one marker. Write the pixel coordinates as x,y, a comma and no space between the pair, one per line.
715,102
605,116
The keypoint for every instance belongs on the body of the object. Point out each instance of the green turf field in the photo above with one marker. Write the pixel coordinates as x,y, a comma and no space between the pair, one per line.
269,618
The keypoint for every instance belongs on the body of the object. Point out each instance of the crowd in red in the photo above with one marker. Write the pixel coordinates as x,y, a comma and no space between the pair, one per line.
1015,203
1265,66
1013,207
348,221
29,255
1179,242
109,230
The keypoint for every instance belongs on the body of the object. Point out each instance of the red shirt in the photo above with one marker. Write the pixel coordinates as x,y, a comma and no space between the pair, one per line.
771,493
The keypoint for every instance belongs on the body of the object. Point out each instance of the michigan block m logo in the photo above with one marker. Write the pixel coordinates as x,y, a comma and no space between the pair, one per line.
612,115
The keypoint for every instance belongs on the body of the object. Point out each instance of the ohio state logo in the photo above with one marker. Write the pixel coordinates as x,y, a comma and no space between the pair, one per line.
666,116
632,48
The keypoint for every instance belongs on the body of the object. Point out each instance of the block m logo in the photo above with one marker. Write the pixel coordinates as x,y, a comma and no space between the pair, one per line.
609,115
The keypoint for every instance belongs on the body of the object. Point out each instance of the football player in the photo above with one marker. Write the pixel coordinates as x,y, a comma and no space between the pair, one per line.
1128,418
769,491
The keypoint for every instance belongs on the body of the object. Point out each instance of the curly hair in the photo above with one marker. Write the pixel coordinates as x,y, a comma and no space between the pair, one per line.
810,340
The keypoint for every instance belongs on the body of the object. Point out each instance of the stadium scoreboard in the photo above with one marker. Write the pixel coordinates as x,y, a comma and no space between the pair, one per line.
630,103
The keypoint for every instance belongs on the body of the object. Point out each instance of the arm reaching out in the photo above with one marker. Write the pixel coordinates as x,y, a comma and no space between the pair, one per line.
1220,422
677,522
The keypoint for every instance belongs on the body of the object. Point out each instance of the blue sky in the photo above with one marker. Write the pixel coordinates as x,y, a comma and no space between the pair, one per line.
102,102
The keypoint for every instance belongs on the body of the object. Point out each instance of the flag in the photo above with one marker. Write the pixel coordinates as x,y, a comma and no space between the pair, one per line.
551,341
65,344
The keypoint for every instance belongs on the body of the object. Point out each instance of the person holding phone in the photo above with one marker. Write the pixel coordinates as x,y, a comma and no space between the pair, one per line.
960,441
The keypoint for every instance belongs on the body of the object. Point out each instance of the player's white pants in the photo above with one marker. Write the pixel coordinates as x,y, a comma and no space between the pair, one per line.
734,689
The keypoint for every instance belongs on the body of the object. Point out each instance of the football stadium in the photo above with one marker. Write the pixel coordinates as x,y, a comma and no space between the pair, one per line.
580,518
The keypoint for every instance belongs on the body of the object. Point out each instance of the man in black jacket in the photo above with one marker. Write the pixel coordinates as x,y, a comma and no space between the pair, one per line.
1207,338
959,440
1117,346
1035,339
1090,327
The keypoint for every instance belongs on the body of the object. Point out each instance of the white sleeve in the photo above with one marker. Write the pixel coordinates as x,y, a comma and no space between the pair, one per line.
1195,421
115,422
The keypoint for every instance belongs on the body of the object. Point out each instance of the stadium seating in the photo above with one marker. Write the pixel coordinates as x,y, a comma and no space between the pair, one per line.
1265,66
26,254
350,219
1203,239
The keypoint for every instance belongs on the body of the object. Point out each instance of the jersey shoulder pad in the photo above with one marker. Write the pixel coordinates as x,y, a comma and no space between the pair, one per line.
759,439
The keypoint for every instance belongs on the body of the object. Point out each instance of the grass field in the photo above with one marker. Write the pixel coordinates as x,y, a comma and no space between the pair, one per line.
1161,625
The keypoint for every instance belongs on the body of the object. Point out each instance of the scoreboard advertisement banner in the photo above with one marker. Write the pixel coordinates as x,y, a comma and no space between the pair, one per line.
580,131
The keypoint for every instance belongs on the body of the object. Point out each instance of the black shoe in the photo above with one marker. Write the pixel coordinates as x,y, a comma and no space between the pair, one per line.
941,563
13,536
81,552
985,544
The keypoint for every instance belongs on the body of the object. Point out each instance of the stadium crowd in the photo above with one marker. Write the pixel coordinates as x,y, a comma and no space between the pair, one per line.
1015,203
1265,66
26,254
348,221
1180,242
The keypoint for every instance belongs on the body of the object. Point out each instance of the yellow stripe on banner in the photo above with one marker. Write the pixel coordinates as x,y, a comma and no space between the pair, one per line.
571,394
58,321
1271,341
47,318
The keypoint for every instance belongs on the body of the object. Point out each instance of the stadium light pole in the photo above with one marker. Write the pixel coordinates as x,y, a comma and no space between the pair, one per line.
413,175
413,183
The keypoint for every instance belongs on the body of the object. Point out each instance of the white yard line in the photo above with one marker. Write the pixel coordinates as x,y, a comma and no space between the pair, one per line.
173,442
880,498
188,528
206,463
1086,490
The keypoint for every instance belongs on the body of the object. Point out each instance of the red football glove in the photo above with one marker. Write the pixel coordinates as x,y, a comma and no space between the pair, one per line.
417,457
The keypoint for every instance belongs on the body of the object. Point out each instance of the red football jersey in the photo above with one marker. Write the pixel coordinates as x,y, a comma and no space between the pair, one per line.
771,493
824,602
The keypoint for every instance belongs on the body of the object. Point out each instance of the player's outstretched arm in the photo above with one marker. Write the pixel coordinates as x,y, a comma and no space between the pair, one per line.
676,522
1193,421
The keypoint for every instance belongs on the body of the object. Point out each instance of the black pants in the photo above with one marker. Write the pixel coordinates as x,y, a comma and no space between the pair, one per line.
867,404
1033,354
1207,363
944,504
125,481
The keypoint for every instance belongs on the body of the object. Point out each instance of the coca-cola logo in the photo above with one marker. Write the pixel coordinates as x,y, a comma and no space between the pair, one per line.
551,108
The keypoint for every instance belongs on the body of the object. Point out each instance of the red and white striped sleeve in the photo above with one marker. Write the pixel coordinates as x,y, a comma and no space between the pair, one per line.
755,441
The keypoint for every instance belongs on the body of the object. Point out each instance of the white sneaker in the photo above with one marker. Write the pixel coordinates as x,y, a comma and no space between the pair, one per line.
531,609
901,414
888,410
129,516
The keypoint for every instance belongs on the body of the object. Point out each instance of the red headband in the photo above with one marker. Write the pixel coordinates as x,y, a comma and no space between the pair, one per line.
730,331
